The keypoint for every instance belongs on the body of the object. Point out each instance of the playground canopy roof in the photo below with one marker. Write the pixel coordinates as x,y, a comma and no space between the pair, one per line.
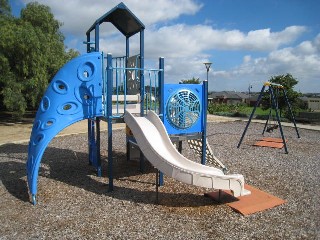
123,19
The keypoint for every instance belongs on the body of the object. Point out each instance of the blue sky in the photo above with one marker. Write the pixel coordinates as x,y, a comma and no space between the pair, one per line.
248,41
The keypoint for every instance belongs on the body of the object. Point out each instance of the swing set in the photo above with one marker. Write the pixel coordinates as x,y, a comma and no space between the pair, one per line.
272,123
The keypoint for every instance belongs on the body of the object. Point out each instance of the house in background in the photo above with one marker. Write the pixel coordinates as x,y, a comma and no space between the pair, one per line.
313,103
252,99
228,97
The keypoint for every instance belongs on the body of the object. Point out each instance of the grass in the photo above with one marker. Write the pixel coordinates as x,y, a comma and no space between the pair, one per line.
236,110
245,112
259,111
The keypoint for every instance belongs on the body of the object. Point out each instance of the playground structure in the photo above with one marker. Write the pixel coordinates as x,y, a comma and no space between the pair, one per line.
100,87
273,90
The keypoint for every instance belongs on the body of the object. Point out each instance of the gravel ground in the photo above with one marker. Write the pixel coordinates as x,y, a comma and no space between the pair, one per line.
74,204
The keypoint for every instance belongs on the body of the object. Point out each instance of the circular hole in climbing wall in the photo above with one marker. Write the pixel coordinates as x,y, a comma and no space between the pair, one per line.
84,95
38,138
67,107
85,74
60,87
45,104
86,71
47,124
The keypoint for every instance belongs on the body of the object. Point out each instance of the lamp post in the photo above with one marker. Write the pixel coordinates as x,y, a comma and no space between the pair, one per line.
205,106
208,65
249,88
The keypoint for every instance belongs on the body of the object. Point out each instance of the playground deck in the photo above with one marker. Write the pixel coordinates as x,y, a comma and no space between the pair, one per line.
74,203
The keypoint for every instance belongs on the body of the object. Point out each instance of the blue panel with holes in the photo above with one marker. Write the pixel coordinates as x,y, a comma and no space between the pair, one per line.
74,94
183,113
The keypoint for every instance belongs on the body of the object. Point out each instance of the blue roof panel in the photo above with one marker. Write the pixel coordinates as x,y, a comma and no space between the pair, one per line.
123,19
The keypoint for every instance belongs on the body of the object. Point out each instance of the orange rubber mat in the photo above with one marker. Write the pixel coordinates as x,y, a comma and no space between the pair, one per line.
257,201
270,142
267,139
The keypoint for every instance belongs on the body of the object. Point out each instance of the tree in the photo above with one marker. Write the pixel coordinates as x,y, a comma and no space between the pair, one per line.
288,82
190,81
31,52
5,9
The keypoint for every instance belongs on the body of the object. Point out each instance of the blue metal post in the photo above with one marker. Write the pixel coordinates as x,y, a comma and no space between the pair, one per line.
98,156
91,140
90,121
104,89
127,48
142,90
204,121
251,116
96,37
91,126
161,88
124,79
93,147
161,102
109,118
125,71
88,42
155,94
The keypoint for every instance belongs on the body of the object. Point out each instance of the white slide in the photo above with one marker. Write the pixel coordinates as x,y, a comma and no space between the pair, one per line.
154,142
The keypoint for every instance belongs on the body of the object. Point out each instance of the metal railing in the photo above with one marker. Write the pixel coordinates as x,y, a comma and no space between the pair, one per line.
115,88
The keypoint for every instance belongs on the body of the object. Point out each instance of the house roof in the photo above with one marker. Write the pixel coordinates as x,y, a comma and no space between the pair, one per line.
123,19
228,95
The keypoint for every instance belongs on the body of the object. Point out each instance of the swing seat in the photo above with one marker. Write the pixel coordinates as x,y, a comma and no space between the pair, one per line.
271,128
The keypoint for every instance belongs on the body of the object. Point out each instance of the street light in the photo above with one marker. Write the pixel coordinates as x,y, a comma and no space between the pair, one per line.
208,65
205,106
250,87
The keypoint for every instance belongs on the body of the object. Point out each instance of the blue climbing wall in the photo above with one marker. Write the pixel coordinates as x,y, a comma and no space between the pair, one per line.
183,108
74,94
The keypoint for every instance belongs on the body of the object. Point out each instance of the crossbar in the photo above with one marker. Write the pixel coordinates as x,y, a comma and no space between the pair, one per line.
122,98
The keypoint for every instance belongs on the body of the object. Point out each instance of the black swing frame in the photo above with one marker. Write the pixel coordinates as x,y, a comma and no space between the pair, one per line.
271,88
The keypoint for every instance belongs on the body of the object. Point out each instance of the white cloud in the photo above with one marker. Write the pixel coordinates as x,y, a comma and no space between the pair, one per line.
153,12
79,15
177,69
185,40
246,58
302,61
